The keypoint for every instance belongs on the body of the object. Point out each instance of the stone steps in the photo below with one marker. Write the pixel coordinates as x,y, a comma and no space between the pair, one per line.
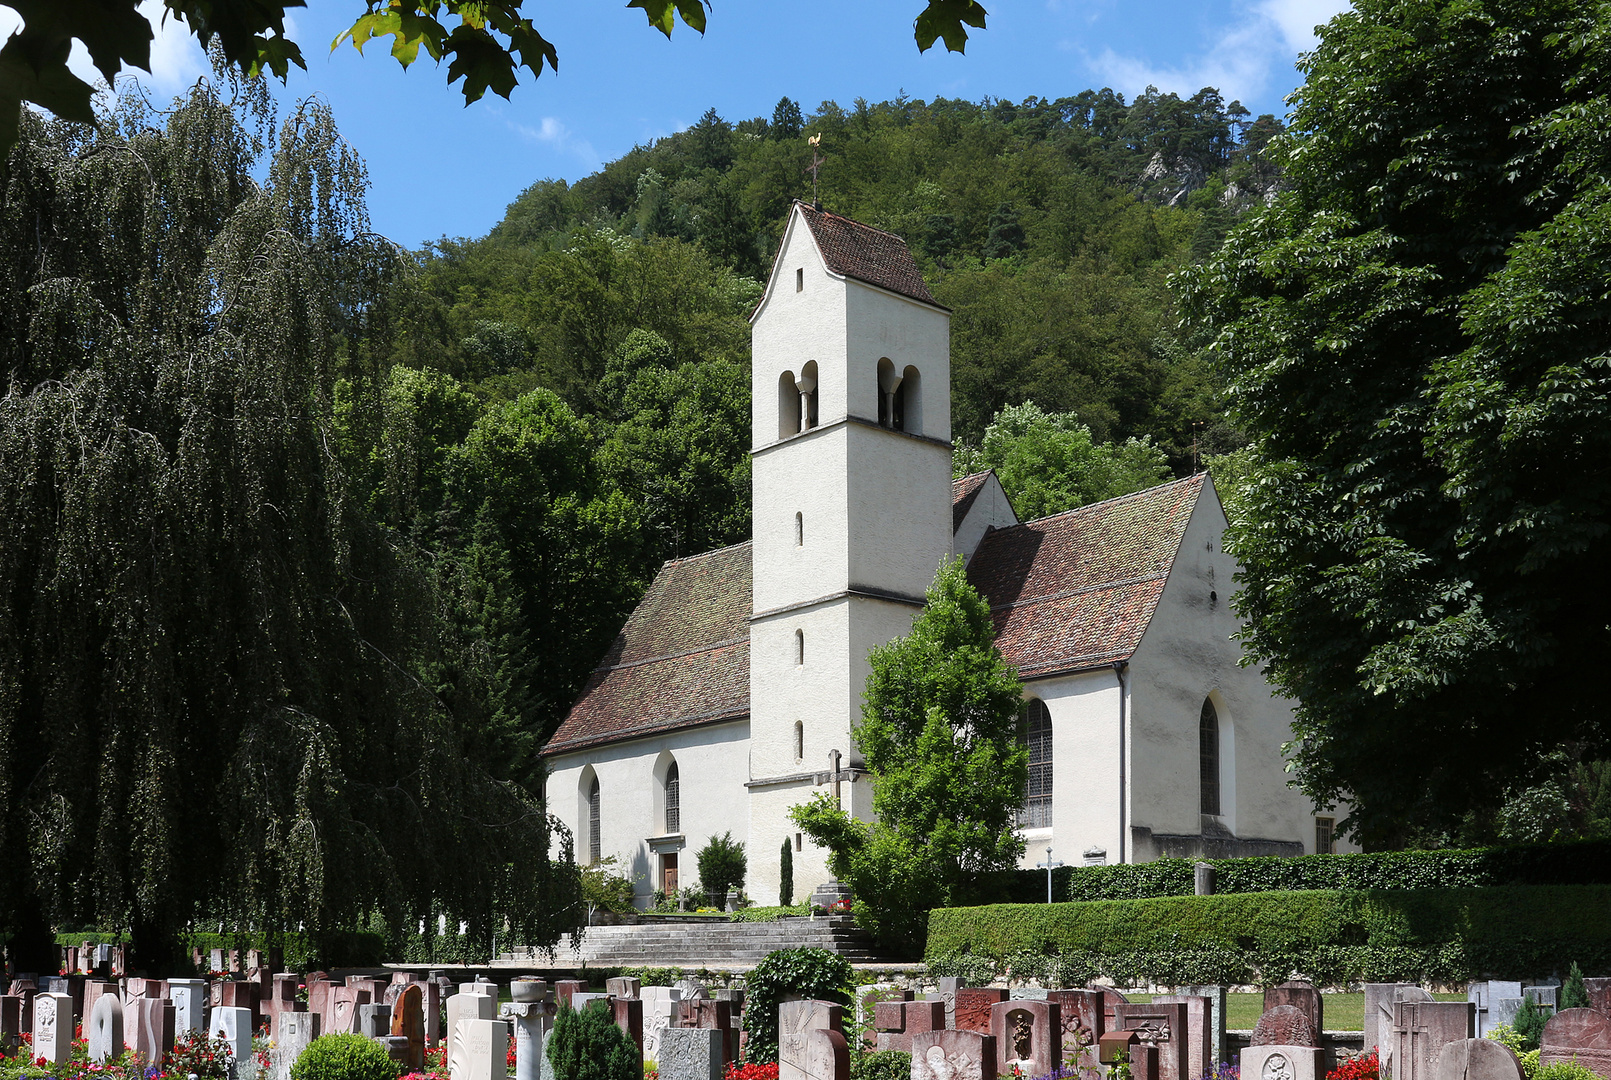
708,943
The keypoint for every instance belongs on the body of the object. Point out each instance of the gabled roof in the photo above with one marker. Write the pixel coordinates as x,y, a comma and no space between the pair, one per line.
1077,589
859,251
682,659
964,489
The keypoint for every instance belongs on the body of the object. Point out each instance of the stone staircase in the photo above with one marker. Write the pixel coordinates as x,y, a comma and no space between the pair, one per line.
668,941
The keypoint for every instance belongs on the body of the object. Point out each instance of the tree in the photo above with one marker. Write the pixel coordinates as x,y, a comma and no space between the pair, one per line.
586,1044
191,592
786,875
1414,333
480,40
1048,463
722,864
786,120
939,734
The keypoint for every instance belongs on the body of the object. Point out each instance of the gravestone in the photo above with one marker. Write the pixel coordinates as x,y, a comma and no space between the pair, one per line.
1380,1000
1285,1025
1027,993
564,988
396,1049
1079,1012
1111,999
152,1037
94,990
1162,1025
531,1023
627,1012
15,1018
796,1022
374,1021
1282,1063
234,1026
1478,1059
898,1021
1486,996
408,1021
341,1016
1125,1047
973,1007
1216,1022
1421,1029
216,961
659,1013
105,1029
1300,995
692,989
580,1002
1599,994
72,987
461,1009
53,1028
293,1031
189,997
1543,995
691,1053
481,1048
827,1055
433,1011
1581,1035
623,986
281,997
1197,1034
953,1055
946,992
1029,1037
716,1015
319,1000
240,994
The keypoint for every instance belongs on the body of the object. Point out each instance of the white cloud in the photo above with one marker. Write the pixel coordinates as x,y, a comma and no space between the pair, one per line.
1240,63
551,132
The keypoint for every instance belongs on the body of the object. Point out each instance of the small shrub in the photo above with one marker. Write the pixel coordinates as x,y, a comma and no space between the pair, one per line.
203,1056
881,1065
1529,1023
722,864
810,973
1529,1063
1504,1033
1564,1070
786,876
344,1057
1574,995
587,1045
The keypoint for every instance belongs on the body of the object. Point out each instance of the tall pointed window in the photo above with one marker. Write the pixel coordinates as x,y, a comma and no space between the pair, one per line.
1208,757
673,799
594,848
1037,728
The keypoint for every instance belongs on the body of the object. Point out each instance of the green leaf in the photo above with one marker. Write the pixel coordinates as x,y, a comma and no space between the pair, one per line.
663,13
48,83
945,19
481,62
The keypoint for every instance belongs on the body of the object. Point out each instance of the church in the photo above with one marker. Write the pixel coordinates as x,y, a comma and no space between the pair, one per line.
732,692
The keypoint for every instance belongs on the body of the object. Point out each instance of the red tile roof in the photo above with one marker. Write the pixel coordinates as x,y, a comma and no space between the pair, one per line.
682,659
964,489
1077,589
866,254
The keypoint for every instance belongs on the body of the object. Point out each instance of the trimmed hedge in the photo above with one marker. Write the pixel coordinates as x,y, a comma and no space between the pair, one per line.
1333,937
1586,862
334,949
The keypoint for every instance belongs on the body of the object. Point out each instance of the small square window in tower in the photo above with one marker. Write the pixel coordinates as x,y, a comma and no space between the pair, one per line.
1037,728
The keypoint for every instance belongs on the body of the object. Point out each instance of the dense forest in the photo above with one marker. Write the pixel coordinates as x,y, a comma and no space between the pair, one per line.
308,535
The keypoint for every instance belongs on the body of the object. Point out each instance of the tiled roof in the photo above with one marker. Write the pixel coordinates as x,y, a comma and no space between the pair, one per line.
1077,589
866,254
964,489
683,658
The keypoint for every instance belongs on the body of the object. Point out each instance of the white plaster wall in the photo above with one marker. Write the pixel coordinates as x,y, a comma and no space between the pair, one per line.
899,511
1186,655
806,476
770,826
990,509
790,328
710,761
783,691
1085,767
882,324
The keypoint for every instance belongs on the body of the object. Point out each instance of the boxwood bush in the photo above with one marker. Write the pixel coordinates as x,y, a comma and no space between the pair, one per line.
1332,936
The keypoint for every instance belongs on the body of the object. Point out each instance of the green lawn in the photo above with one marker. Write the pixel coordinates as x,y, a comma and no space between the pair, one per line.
1344,1012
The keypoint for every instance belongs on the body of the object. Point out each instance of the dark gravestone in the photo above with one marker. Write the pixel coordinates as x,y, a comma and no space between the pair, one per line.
1161,1025
898,1021
1580,1035
628,1015
953,1055
408,1020
973,1008
1080,1014
565,988
1284,1025
1300,995
1198,1034
1111,998
1029,1037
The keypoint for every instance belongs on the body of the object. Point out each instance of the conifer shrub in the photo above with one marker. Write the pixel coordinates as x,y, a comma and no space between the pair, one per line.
587,1045
1574,995
345,1056
786,876
722,864
1529,1023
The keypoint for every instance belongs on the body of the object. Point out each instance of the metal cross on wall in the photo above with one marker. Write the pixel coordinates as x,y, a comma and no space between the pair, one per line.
1049,865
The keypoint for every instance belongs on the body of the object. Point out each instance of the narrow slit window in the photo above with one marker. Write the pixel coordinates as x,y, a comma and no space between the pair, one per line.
1208,757
799,529
799,740
673,799
799,280
799,648
1325,836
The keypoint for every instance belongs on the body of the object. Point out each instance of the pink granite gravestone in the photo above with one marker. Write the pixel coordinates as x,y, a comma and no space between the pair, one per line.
564,988
1029,1036
1599,994
342,1015
716,1015
1300,995
408,1020
1080,1014
1285,1025
1581,1035
1478,1059
1110,999
973,1007
628,1015
1198,1034
797,1021
897,1021
152,1036
1160,1025
1421,1029
953,1055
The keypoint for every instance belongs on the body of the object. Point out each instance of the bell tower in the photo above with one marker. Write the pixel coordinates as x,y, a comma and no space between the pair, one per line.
851,455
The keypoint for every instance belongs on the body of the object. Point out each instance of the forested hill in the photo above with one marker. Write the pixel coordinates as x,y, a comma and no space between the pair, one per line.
1048,226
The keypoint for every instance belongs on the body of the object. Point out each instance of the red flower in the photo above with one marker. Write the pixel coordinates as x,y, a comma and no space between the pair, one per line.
1364,1067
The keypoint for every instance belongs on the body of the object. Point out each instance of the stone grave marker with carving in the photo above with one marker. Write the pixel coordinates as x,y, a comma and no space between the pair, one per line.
1079,1013
716,1015
1283,1063
1300,995
659,1013
189,997
1581,1035
624,986
481,1047
341,1016
105,1029
1599,994
234,1025
53,1028
954,1055
973,1007
564,988
827,1055
691,1053
461,1009
1197,1034
1284,1025
408,1021
152,1038
1162,1025
1477,1059
1486,996
1421,1029
374,1021
1029,1036
796,1021
896,1022
1380,1000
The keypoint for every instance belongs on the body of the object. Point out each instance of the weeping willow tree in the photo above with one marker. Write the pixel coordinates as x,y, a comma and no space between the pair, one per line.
226,693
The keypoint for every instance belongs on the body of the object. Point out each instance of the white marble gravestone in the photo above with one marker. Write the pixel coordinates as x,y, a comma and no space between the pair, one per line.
105,1029
1283,1063
189,998
482,1047
53,1027
234,1026
659,1013
293,1031
462,1008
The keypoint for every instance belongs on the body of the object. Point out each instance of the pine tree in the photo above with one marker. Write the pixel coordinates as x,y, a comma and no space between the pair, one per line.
786,876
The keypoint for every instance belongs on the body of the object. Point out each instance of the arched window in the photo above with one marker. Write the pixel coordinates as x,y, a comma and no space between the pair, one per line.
1037,729
673,799
799,647
889,386
909,405
788,406
806,384
594,848
799,740
799,529
1208,757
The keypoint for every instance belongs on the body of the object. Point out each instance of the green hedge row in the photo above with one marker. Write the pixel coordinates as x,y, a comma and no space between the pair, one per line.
303,952
1586,862
1333,937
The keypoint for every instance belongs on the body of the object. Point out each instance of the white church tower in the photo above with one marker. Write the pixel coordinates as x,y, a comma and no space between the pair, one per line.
851,445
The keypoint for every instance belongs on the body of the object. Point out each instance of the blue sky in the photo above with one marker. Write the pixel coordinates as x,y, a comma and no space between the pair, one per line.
440,168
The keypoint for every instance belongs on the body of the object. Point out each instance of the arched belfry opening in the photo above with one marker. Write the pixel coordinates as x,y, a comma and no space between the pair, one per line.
899,400
909,401
889,389
788,406
806,384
